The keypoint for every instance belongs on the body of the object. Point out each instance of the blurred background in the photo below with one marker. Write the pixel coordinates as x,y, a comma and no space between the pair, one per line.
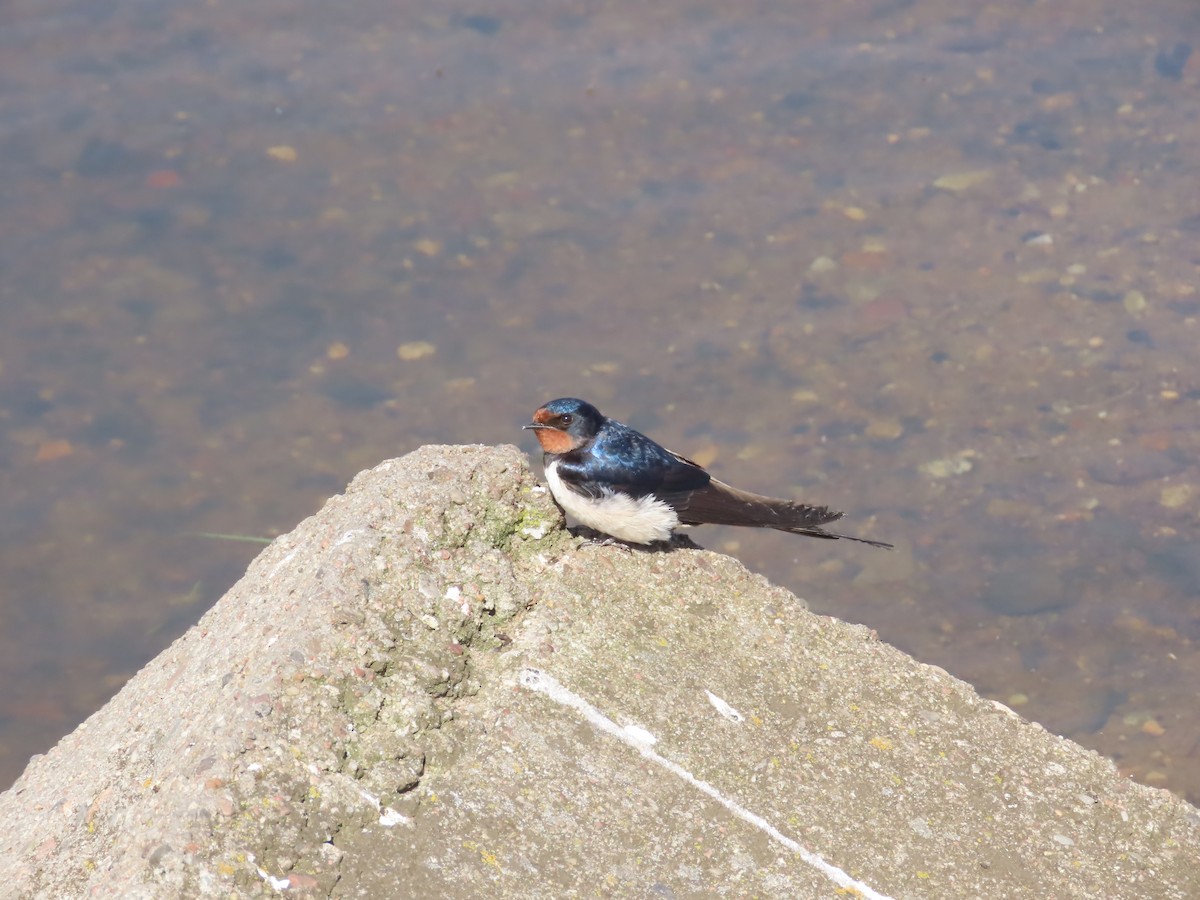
933,264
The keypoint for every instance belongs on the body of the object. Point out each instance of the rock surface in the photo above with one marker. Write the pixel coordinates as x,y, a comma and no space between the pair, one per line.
430,689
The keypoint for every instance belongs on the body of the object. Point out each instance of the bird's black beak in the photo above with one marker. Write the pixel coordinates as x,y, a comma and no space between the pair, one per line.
533,425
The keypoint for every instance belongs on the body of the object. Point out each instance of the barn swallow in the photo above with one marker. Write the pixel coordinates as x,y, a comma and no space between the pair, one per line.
617,481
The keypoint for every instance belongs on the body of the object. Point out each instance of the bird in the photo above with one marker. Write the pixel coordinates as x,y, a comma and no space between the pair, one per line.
615,480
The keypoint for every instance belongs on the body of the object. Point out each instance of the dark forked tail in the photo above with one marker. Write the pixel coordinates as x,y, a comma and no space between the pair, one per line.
719,504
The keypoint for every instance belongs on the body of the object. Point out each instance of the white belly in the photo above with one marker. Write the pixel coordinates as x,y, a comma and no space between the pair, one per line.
640,521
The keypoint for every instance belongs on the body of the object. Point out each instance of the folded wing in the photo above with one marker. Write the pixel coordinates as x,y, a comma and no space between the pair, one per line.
717,503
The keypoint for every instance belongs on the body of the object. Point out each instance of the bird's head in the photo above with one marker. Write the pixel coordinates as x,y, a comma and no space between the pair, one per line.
565,424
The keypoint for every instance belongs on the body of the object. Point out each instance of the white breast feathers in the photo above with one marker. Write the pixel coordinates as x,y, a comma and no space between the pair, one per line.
641,521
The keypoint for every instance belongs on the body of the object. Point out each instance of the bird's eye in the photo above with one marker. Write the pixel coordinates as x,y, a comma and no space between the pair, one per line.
566,418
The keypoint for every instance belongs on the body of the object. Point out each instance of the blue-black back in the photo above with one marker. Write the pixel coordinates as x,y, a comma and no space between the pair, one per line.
626,460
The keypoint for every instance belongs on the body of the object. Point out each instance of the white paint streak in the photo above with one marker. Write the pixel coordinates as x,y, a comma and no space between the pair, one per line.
536,680
724,708
279,565
640,736
278,884
388,817
640,521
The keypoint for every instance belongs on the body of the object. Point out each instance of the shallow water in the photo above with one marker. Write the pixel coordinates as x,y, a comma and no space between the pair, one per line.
936,269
